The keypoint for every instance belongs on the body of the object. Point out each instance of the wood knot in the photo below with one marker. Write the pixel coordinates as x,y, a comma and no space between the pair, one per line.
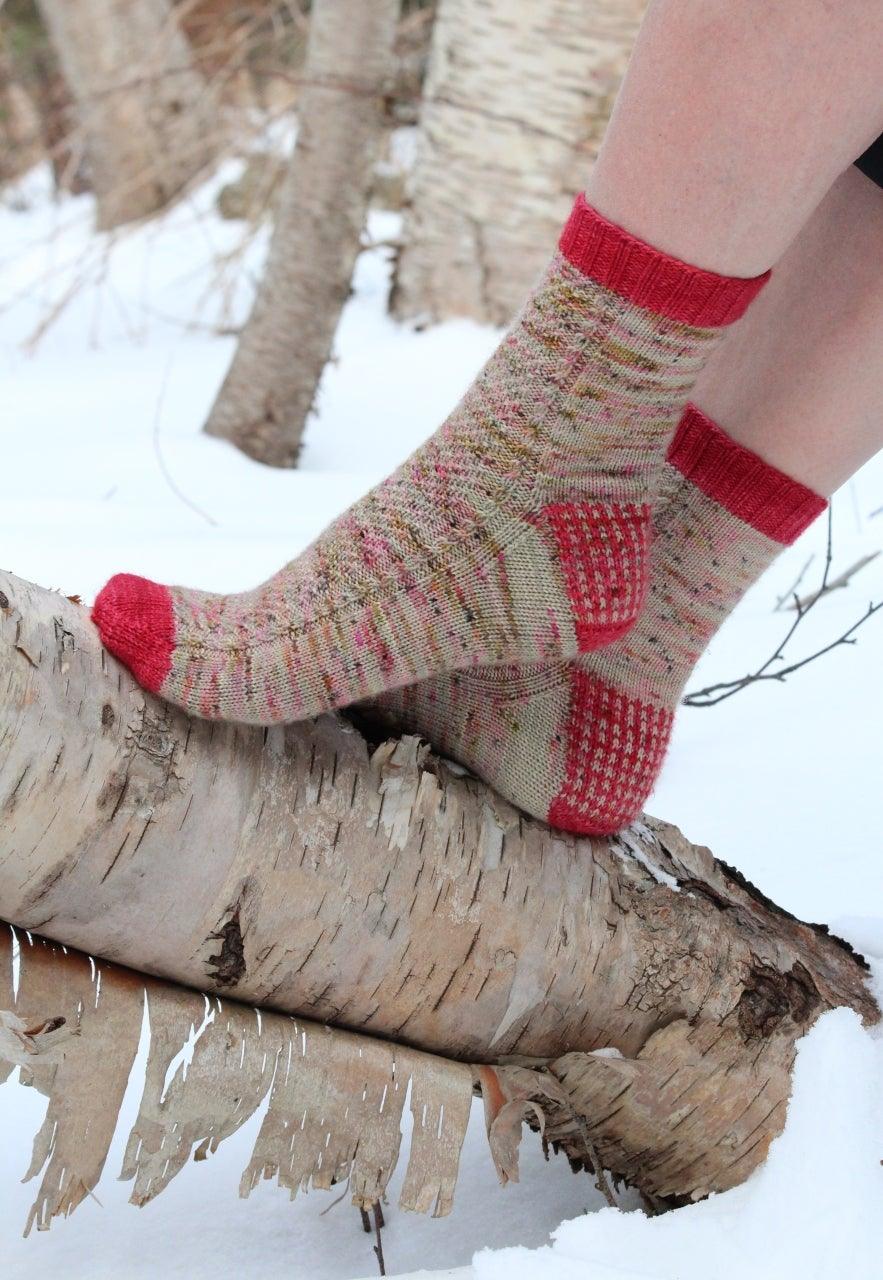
229,963
769,997
108,715
4,600
154,739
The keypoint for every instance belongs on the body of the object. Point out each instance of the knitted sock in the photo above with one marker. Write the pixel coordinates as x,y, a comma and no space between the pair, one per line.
581,744
517,533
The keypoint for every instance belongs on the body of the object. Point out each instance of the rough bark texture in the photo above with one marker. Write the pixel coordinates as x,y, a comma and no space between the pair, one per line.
335,1099
516,101
384,892
149,119
269,390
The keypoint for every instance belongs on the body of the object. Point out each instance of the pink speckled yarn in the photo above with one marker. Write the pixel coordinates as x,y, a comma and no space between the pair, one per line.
517,533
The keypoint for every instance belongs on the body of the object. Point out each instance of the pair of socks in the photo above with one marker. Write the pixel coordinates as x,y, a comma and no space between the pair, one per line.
519,536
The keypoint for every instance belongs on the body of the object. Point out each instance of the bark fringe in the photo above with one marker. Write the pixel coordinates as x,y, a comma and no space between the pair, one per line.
335,1099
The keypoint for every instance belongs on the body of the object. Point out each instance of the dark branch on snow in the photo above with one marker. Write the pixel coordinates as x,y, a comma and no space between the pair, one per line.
712,694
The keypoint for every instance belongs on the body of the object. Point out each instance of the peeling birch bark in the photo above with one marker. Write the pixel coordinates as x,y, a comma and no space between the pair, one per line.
82,1067
515,105
335,1101
382,891
269,390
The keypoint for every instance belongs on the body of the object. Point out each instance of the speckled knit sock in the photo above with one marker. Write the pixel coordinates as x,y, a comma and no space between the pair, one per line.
517,533
581,744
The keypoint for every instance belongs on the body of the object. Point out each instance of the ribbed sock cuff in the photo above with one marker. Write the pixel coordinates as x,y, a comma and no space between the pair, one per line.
650,278
746,486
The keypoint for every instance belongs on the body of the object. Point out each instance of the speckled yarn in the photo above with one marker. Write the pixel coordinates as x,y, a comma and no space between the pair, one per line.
518,533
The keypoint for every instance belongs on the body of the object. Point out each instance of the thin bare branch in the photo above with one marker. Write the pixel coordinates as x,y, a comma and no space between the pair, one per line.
712,694
787,596
157,449
378,1247
842,580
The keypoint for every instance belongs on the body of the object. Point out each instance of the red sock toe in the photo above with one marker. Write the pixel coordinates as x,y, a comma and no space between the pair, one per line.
136,623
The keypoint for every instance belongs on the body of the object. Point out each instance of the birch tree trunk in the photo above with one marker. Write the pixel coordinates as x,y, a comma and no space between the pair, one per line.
296,868
516,102
149,119
270,388
20,130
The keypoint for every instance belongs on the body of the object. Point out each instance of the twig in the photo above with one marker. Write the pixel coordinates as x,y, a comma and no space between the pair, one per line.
715,693
61,303
601,1181
712,694
394,243
167,476
342,1196
842,580
792,590
378,1247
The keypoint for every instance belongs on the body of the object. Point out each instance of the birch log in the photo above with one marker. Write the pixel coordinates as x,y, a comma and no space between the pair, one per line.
269,390
380,890
149,119
516,101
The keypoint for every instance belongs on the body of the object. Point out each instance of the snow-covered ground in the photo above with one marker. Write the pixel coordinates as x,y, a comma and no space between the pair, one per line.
104,468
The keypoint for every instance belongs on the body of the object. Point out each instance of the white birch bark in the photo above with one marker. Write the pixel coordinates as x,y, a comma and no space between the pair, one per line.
381,891
515,104
149,119
270,388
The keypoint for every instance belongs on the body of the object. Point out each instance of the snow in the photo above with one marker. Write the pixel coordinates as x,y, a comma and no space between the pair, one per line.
813,1209
105,468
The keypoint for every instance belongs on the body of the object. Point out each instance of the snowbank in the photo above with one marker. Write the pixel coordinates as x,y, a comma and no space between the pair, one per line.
812,1212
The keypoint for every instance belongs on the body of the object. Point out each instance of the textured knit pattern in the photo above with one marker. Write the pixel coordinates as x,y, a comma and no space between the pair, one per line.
518,533
581,744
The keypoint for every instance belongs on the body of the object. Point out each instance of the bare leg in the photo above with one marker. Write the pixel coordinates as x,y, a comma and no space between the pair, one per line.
733,122
800,378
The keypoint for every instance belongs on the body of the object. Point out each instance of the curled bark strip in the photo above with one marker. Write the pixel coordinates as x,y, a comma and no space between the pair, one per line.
386,893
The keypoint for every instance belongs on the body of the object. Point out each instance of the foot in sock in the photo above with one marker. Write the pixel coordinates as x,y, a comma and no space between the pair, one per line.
517,533
581,744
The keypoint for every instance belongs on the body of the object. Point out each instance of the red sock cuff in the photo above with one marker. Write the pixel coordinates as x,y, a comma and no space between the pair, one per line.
650,278
749,488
